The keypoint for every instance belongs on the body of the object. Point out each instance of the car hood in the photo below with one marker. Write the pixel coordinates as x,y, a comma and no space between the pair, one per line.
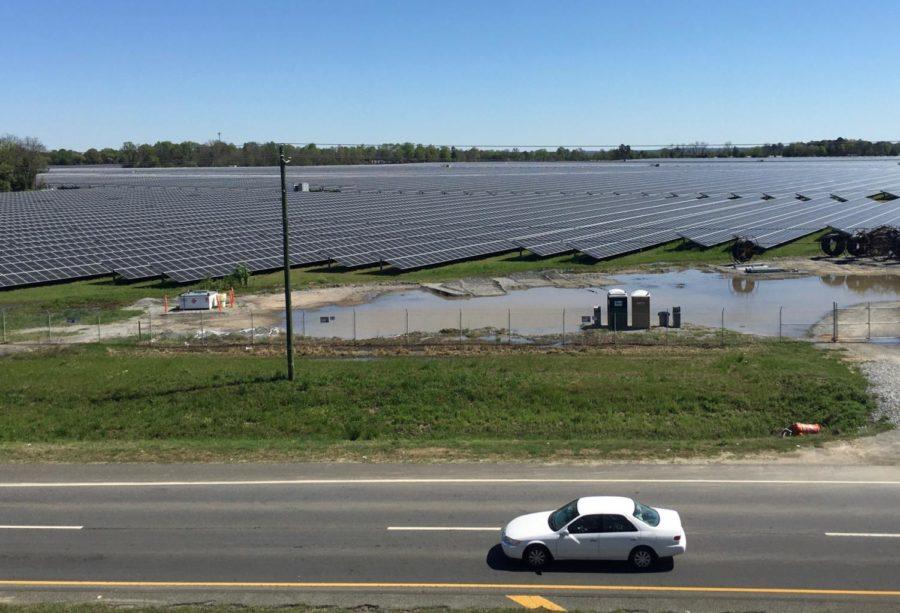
529,527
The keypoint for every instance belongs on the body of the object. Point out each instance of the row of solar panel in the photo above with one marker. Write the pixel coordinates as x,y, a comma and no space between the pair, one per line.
190,234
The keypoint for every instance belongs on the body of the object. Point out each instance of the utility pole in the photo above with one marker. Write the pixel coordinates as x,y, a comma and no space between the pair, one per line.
288,311
219,135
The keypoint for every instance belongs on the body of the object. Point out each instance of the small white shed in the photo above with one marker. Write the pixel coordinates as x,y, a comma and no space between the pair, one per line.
198,301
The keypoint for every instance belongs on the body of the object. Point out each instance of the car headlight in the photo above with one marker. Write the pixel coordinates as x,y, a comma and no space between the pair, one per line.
509,541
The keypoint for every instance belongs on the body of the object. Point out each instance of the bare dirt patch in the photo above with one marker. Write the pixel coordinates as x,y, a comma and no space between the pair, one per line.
819,266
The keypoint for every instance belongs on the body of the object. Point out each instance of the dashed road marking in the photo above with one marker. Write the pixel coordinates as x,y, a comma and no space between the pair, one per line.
870,535
41,527
536,602
442,529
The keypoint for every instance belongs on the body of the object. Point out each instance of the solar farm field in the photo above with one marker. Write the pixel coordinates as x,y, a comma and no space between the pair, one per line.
189,224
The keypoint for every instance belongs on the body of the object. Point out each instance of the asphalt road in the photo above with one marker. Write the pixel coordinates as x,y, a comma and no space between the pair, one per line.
758,536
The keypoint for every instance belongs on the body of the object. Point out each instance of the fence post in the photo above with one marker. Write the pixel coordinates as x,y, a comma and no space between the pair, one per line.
509,326
303,323
252,330
202,335
354,325
460,326
139,331
3,315
834,322
149,327
779,322
723,327
564,328
869,321
406,327
98,326
49,338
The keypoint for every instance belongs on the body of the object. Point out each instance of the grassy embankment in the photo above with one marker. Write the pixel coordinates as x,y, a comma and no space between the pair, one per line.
81,300
119,403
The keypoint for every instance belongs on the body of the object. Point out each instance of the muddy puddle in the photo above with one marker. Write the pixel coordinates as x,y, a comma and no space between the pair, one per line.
751,304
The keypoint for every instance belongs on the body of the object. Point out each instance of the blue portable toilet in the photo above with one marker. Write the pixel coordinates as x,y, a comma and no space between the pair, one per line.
617,309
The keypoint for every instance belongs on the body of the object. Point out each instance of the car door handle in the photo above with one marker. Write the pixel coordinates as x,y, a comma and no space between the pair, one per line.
633,538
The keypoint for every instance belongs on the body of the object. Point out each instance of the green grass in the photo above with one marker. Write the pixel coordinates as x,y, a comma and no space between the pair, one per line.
214,405
81,300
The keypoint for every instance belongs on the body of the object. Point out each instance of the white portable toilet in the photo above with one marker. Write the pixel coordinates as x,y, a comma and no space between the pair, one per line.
640,309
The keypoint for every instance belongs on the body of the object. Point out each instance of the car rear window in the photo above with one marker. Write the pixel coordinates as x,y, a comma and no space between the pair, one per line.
646,514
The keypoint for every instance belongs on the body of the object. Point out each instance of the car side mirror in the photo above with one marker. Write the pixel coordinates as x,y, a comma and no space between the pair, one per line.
563,533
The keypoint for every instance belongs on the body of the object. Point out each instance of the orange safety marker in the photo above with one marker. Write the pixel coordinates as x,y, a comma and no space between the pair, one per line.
165,303
231,298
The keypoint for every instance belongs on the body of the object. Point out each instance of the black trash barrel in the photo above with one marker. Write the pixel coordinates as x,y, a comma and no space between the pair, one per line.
676,317
663,319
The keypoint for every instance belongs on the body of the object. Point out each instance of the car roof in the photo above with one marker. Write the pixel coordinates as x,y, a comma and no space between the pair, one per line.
591,505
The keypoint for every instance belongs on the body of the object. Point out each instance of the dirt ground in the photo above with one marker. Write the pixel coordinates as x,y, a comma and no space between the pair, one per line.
819,266
265,312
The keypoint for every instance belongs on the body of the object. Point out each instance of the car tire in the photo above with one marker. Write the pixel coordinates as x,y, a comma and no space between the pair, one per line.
642,558
537,557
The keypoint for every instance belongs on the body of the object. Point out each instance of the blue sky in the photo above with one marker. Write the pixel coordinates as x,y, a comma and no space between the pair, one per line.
97,73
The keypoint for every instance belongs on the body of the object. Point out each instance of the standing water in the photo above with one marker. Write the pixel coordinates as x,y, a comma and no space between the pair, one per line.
751,305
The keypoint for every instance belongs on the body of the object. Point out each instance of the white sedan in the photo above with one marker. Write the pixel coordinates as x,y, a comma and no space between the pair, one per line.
596,528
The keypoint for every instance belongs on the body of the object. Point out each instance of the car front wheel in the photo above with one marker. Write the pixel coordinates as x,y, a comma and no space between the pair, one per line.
642,558
537,557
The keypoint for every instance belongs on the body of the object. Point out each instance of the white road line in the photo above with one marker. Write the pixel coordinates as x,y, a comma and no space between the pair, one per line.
449,481
441,529
41,527
871,535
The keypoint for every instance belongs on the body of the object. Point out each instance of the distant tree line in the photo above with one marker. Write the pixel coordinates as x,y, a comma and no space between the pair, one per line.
218,153
21,160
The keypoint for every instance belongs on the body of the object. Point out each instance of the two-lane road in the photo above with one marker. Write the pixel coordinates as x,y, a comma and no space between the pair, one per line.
766,537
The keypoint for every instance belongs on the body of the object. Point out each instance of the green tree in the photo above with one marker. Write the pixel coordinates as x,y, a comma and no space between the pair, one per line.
21,160
92,156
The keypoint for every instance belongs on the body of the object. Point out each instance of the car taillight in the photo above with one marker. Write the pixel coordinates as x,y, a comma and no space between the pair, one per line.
677,538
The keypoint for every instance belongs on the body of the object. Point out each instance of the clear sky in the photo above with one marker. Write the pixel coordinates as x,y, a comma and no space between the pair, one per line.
96,73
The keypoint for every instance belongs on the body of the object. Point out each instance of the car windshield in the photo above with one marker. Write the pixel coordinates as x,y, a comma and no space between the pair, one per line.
563,516
646,514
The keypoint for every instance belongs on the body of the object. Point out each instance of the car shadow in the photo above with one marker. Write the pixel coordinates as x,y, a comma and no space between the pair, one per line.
497,560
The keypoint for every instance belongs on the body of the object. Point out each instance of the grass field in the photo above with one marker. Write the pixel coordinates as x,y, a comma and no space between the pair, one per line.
82,300
103,402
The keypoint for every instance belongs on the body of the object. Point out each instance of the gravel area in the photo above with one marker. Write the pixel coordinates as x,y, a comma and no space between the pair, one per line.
882,368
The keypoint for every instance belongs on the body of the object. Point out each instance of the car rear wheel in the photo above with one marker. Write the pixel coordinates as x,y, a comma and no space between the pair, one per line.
537,557
642,558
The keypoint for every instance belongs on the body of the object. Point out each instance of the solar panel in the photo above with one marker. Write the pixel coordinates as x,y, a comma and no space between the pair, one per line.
188,224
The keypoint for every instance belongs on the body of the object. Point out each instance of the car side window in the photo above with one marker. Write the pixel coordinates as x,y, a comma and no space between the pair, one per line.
617,523
587,524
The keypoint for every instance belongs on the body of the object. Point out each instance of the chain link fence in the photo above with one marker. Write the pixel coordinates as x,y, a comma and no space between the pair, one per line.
485,326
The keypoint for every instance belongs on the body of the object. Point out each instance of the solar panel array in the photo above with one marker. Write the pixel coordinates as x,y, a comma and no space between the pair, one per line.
189,224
